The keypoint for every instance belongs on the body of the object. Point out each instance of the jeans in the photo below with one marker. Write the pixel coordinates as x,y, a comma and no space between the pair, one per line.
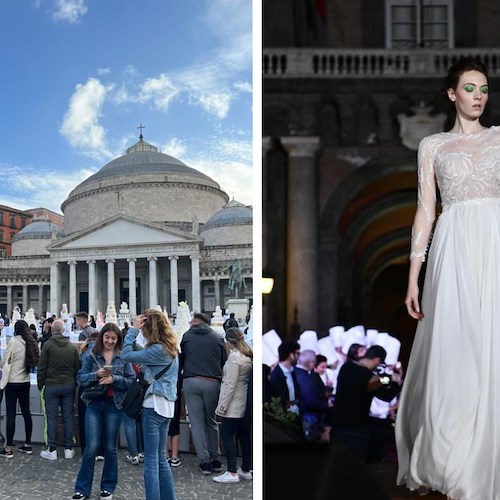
18,392
133,433
158,480
230,428
102,425
63,396
202,396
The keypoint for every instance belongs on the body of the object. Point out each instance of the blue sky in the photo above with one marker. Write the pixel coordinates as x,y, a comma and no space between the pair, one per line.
79,76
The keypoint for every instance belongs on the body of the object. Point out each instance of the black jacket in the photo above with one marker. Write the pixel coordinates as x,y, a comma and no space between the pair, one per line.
203,353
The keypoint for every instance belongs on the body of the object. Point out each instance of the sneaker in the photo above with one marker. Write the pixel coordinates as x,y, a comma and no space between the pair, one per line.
78,496
106,494
132,460
216,466
227,477
174,462
69,453
244,475
49,455
6,454
205,468
99,458
25,449
141,457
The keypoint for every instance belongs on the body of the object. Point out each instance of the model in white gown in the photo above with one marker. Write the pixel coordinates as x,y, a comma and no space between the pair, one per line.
448,423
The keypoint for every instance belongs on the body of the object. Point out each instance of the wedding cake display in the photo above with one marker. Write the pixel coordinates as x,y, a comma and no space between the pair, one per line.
29,317
123,315
111,316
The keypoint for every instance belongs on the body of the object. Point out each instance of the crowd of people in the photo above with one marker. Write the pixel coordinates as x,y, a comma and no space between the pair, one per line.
211,371
344,404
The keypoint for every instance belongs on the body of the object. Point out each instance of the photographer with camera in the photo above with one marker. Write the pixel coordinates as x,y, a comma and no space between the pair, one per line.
358,383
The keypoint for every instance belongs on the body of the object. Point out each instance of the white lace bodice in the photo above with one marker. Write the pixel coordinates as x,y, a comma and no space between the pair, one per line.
463,166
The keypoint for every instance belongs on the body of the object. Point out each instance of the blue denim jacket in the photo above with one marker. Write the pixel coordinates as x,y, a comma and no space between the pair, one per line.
123,375
153,359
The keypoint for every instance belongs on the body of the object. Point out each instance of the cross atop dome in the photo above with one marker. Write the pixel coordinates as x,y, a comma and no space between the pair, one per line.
141,126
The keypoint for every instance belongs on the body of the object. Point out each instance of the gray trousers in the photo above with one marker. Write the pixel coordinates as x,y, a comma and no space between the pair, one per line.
202,396
62,396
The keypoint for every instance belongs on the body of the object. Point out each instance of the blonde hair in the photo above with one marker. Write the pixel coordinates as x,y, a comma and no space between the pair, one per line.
235,338
158,330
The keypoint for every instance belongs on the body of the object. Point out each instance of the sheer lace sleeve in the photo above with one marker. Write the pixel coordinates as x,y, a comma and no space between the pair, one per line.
426,201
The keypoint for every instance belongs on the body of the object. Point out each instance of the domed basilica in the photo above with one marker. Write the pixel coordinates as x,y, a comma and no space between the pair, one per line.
144,218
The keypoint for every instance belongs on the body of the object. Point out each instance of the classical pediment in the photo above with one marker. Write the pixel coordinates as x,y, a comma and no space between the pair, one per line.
123,231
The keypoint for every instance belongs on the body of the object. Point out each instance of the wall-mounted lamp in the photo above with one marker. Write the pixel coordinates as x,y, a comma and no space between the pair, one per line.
267,285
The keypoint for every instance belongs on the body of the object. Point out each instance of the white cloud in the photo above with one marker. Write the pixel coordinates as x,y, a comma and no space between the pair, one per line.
24,187
174,147
70,10
215,103
160,90
234,150
103,71
81,122
234,177
243,87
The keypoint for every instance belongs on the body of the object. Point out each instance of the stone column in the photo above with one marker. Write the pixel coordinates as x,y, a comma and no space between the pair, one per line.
40,299
267,143
153,282
92,287
217,292
9,301
111,281
72,286
132,296
174,284
25,299
55,298
195,282
301,231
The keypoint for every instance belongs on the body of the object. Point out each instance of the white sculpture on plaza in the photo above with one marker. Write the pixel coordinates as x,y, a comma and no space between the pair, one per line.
64,312
111,316
182,319
217,320
16,315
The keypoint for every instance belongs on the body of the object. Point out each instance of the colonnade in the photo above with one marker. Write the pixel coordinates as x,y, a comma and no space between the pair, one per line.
56,269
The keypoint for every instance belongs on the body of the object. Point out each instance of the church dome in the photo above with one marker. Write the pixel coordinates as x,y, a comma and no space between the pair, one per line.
34,238
39,228
146,184
232,225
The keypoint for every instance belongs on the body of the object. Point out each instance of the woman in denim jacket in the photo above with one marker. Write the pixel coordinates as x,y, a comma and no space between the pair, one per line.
159,402
103,417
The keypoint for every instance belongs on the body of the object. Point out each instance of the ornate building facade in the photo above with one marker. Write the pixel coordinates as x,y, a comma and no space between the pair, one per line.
146,229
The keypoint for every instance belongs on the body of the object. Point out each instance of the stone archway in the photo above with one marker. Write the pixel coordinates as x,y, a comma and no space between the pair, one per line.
364,239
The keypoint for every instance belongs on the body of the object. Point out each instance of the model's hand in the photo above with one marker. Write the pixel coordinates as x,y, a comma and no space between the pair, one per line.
412,304
108,380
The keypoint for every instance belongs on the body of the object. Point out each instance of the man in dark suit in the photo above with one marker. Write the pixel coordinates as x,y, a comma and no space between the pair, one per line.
283,380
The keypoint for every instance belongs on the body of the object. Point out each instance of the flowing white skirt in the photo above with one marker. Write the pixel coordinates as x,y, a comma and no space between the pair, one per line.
448,424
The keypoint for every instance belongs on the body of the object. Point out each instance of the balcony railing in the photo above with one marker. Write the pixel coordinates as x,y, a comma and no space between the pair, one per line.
369,63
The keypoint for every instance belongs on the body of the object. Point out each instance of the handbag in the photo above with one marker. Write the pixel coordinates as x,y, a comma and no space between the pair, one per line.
5,371
95,390
132,404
